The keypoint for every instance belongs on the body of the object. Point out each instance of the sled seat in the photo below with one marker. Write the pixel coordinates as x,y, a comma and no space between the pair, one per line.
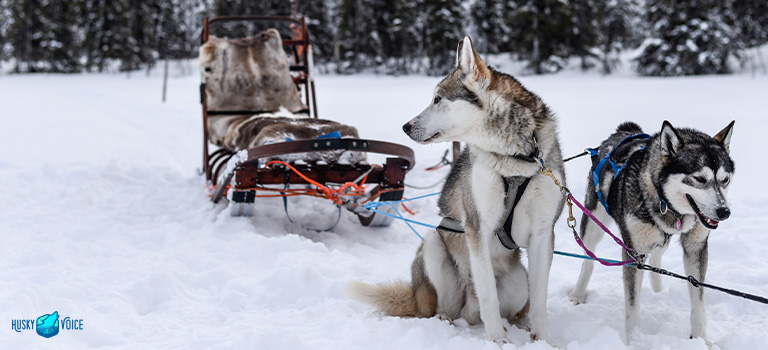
253,114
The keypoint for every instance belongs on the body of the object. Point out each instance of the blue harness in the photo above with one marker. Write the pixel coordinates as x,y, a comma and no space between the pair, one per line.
617,168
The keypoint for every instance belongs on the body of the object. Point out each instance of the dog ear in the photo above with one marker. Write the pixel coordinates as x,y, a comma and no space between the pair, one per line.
724,136
670,139
468,60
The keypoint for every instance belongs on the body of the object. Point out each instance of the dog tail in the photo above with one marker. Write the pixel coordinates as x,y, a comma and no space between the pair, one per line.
629,127
395,298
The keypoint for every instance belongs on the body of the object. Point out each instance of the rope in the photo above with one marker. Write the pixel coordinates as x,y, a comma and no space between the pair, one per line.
696,283
572,255
374,205
285,206
424,187
635,259
633,255
576,156
328,193
443,162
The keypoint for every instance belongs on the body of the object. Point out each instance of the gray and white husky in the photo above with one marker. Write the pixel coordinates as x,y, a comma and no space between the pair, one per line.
673,183
463,270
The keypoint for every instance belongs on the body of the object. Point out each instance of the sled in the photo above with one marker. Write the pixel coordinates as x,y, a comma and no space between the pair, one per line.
242,177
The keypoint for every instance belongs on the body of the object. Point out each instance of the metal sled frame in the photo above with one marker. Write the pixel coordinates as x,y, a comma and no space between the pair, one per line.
249,175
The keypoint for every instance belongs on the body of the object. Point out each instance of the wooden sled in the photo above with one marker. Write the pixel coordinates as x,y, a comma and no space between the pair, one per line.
253,176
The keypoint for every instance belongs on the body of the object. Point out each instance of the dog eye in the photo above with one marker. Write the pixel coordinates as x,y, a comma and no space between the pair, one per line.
700,179
437,99
207,69
725,180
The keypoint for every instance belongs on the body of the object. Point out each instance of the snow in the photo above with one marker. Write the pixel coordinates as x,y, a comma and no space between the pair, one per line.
104,218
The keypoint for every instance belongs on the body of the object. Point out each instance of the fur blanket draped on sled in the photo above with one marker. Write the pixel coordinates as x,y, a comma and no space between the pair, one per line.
252,74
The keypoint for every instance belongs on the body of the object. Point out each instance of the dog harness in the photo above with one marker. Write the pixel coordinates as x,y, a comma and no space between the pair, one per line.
505,232
617,168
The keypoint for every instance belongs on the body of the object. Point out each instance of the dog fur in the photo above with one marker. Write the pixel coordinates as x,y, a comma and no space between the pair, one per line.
472,275
691,172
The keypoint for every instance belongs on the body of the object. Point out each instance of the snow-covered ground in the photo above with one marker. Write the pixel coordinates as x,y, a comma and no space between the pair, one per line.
104,218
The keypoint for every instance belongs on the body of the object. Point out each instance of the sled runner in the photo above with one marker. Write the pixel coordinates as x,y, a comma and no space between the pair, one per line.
261,140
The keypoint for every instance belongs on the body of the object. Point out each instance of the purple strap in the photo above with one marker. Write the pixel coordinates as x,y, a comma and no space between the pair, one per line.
617,239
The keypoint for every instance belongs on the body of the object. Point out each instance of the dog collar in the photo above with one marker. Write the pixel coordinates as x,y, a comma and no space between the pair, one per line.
534,156
664,207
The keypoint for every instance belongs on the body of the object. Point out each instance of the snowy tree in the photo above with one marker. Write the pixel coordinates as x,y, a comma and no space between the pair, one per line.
59,45
247,8
489,18
135,33
359,43
584,31
687,38
5,22
101,26
751,21
176,32
407,31
542,31
317,16
443,30
24,34
617,29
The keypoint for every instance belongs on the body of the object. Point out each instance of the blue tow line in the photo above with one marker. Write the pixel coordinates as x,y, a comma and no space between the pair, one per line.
373,205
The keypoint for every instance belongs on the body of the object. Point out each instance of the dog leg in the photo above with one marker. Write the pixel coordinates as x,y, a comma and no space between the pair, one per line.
655,260
485,285
513,290
442,273
540,252
695,257
471,310
633,281
591,235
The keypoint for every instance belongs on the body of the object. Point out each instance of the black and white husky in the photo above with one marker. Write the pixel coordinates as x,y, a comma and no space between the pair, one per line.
469,267
673,183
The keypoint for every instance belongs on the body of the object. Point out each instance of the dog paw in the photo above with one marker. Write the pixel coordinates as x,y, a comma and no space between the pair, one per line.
503,340
499,337
535,337
443,317
708,343
578,298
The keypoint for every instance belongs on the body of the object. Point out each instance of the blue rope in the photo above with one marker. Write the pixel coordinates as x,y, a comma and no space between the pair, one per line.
372,205
586,257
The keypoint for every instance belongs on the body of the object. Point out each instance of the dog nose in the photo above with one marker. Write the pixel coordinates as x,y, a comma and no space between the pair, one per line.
723,213
407,127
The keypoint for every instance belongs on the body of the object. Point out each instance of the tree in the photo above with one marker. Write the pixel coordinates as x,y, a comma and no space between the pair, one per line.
751,21
687,38
5,12
542,31
617,29
443,30
584,32
247,7
175,36
24,34
490,24
102,28
407,31
358,41
317,16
